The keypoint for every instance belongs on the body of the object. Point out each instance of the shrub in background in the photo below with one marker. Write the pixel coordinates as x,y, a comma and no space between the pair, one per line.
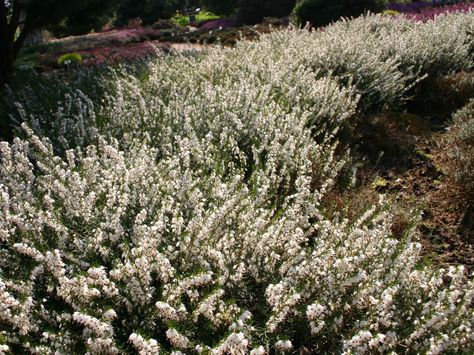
321,12
164,25
318,12
68,18
408,7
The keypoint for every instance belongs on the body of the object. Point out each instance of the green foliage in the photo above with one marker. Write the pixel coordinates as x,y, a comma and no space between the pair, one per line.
206,16
69,59
322,12
318,12
27,61
250,11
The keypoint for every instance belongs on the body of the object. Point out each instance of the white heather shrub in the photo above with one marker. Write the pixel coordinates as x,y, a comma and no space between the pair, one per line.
435,47
107,249
189,218
383,57
375,60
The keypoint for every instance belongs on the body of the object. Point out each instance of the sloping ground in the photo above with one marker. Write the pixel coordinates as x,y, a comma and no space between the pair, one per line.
135,43
108,46
103,39
426,183
415,170
115,54
110,54
112,46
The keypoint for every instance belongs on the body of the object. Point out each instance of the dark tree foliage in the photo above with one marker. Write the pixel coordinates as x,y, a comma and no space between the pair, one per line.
322,12
250,11
220,7
92,16
148,11
253,11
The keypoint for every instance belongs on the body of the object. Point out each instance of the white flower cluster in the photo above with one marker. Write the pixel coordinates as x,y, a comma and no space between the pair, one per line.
176,339
143,346
236,343
196,222
284,345
99,334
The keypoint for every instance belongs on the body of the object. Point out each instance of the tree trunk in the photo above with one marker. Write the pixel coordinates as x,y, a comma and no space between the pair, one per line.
6,63
6,72
9,50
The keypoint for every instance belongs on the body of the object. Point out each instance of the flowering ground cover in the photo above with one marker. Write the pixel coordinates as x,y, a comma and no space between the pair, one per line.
432,12
424,11
409,6
186,204
112,37
117,54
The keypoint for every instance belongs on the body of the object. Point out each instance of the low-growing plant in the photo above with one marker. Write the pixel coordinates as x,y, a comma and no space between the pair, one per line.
69,59
391,13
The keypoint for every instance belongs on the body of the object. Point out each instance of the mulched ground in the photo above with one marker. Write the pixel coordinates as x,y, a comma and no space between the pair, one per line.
419,176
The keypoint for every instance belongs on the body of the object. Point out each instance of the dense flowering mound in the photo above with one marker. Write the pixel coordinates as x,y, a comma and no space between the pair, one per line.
186,211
